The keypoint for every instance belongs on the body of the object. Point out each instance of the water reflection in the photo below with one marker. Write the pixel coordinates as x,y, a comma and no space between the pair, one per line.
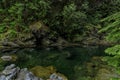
72,61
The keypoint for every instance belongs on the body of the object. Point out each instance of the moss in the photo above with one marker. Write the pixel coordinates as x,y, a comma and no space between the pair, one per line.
14,57
43,72
36,26
103,74
2,63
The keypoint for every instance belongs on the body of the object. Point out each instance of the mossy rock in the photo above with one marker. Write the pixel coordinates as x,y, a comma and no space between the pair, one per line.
14,57
103,74
37,26
43,72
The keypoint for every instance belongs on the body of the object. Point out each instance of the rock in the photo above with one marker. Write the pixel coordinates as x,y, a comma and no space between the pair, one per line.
2,77
10,67
6,58
24,74
23,40
61,42
10,44
30,76
43,72
1,47
57,76
12,72
54,76
15,73
9,58
14,57
46,42
103,74
9,72
37,27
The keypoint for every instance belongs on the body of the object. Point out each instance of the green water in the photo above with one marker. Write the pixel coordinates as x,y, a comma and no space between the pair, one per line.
70,61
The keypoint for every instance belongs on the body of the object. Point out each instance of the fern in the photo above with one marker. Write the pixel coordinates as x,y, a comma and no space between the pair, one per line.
112,27
113,50
114,58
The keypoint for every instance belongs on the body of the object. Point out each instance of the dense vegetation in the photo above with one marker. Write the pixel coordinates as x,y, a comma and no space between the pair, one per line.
71,19
113,34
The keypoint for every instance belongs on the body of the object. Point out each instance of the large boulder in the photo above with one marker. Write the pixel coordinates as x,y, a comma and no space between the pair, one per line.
43,72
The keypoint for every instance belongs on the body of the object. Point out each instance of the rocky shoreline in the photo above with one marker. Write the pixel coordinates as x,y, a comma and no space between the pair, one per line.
12,72
41,35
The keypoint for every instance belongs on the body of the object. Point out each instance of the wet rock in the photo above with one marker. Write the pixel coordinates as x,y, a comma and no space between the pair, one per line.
24,74
23,40
6,58
9,58
12,72
57,76
2,77
30,76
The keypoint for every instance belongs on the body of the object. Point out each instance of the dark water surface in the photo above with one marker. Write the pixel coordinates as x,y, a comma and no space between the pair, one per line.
69,61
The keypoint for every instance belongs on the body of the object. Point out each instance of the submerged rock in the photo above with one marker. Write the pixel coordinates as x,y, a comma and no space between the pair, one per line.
43,72
48,73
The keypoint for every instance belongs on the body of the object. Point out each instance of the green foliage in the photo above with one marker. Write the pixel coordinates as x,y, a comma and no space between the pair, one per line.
113,50
114,79
67,18
114,56
112,28
70,14
73,20
15,16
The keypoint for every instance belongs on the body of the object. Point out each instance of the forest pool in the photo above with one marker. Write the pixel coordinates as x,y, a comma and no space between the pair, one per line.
76,63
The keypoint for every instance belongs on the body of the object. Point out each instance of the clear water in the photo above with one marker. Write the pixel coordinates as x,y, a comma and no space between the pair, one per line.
69,61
